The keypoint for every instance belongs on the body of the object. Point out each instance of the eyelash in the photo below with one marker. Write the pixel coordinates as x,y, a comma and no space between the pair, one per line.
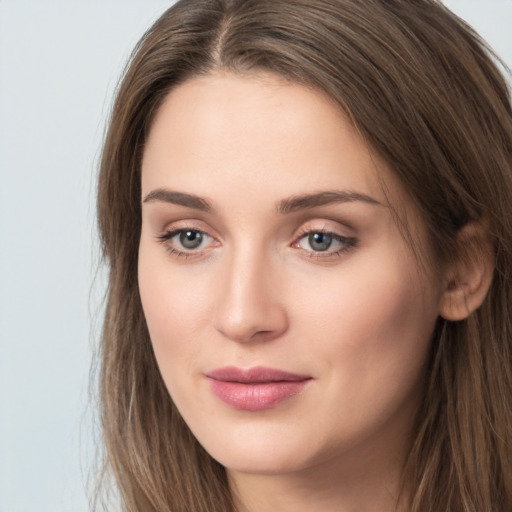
348,243
164,239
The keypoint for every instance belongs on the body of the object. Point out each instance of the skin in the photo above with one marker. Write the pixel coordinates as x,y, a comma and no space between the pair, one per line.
357,318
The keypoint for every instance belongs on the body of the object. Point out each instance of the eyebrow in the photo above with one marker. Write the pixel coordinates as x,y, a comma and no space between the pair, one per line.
308,201
179,198
289,205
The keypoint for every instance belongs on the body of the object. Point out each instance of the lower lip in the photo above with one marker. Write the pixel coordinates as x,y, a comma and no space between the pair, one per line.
255,397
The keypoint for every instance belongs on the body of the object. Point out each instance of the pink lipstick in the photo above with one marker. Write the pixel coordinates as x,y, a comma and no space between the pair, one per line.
254,389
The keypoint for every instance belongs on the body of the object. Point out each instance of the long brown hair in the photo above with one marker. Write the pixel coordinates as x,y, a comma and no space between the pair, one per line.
422,88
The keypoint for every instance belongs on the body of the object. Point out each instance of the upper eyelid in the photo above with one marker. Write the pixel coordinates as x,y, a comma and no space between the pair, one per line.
326,226
188,225
326,230
318,225
170,233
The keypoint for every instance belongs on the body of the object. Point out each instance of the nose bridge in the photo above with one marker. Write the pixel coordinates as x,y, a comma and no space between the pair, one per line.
249,305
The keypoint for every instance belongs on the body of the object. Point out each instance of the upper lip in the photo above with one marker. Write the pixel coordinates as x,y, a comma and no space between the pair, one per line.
254,375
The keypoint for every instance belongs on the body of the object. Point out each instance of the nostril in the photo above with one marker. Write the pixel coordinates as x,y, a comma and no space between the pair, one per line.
247,308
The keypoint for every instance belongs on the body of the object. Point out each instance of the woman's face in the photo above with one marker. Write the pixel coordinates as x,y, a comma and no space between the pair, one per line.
289,318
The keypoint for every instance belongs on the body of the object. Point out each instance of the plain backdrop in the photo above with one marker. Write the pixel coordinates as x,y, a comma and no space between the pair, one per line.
59,64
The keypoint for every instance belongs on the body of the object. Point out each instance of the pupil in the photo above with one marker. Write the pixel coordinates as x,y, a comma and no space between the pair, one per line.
191,239
320,241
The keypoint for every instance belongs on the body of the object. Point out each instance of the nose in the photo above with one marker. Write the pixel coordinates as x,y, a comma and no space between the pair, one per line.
250,303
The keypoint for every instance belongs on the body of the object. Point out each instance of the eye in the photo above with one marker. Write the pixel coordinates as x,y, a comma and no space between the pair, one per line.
320,243
185,242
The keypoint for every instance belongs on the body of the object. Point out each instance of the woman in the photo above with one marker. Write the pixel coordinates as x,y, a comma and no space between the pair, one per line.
305,209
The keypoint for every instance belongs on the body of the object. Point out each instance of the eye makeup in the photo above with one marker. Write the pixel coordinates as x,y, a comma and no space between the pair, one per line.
323,243
190,242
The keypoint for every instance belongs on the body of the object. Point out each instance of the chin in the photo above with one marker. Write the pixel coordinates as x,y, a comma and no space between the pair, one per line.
268,463
262,452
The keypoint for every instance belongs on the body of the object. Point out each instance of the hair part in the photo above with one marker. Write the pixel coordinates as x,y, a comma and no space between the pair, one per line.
422,89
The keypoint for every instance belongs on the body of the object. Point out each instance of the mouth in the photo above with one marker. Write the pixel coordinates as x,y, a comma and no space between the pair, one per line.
255,389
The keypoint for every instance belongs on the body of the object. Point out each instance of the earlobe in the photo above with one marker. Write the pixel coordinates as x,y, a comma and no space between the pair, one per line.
469,276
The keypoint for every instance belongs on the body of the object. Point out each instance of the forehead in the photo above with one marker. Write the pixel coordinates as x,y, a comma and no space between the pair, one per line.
224,135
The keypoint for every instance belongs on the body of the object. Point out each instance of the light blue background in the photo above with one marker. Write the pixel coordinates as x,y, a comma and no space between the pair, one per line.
59,63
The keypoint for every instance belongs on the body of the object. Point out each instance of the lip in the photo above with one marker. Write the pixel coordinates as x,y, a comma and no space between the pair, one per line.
255,389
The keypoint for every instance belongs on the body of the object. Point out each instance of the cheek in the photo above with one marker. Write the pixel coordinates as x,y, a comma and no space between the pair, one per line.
176,309
371,329
369,304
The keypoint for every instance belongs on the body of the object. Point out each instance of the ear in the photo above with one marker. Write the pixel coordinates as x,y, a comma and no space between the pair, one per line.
469,276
